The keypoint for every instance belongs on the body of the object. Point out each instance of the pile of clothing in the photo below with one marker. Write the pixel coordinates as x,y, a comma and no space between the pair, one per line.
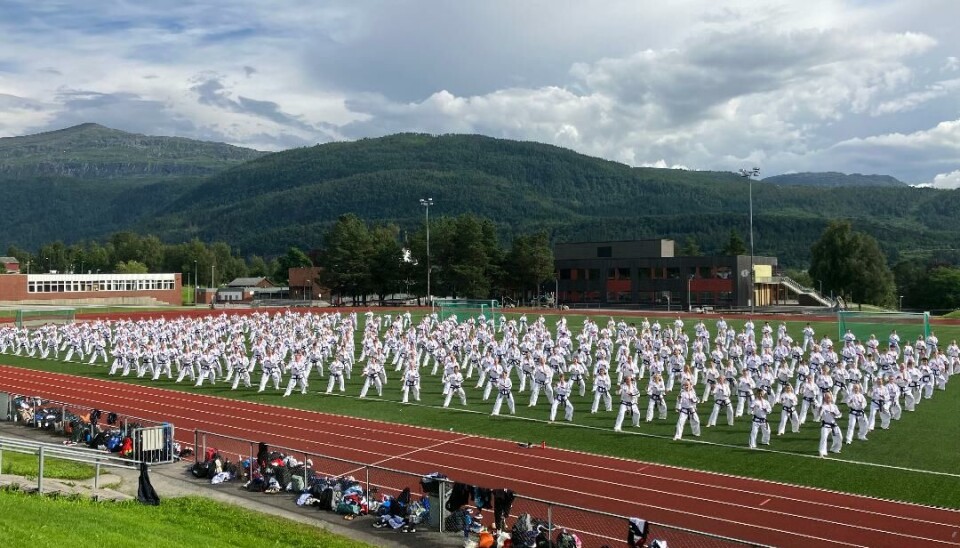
217,468
499,500
402,513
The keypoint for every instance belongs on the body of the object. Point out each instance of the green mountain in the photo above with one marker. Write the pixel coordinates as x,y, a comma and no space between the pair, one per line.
91,151
291,197
834,179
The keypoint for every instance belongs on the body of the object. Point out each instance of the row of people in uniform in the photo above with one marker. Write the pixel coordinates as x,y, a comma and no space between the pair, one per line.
432,339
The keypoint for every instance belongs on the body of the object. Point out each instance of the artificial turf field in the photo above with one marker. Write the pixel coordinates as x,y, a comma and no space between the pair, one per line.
916,460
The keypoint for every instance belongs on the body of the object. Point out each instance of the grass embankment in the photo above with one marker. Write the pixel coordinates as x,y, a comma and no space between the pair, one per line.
22,464
925,441
31,520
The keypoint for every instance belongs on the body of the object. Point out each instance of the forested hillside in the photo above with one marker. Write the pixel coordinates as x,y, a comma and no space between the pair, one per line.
91,151
291,198
834,179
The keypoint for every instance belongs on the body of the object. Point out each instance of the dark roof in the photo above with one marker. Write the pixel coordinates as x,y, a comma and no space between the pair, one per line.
246,282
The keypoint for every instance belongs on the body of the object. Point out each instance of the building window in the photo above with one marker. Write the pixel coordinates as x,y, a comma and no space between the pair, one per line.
564,273
623,273
673,273
611,273
593,274
643,273
605,252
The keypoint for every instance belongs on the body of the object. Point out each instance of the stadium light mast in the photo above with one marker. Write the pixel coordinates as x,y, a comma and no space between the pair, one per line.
426,203
749,174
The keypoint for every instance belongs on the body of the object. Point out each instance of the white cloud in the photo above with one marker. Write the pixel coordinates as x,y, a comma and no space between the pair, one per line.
709,84
947,180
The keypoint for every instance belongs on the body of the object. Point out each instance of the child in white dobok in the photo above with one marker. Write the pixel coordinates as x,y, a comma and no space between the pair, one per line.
629,392
561,396
760,408
829,427
688,411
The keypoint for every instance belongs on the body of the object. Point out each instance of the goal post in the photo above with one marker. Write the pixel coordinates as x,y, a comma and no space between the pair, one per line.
34,317
465,309
907,324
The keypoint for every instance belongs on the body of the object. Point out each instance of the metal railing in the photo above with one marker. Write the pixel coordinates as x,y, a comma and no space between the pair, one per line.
595,528
75,454
152,441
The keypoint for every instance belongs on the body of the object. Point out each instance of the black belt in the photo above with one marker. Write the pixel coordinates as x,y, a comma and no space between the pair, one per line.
788,410
504,392
688,412
561,399
711,381
627,403
856,412
721,403
601,389
743,394
830,425
809,400
759,420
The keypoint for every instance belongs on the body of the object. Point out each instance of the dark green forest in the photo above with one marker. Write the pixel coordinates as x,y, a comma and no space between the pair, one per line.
292,198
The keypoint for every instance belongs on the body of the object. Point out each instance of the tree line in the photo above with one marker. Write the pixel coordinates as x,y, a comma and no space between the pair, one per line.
358,258
468,259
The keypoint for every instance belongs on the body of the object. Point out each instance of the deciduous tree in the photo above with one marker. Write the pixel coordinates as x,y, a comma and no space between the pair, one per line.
851,264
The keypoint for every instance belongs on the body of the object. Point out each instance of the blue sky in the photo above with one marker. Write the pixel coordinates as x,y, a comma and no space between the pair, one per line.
819,85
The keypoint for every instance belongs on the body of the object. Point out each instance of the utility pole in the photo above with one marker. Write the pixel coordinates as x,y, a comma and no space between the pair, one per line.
426,203
749,175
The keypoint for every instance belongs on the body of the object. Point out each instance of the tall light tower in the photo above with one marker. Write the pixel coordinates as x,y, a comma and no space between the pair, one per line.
749,174
426,203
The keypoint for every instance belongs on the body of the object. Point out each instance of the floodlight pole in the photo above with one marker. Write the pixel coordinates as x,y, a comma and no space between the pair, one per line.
750,174
426,203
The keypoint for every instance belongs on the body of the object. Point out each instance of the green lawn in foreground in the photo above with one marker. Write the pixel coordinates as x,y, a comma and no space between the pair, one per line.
32,520
928,439
22,464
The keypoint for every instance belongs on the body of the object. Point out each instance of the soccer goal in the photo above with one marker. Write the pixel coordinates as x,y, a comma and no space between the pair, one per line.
42,316
863,324
465,309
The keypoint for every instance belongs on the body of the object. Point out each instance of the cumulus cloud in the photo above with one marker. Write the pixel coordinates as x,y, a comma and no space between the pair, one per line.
948,181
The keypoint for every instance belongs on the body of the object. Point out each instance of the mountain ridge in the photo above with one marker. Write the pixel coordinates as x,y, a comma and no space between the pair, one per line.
90,150
286,198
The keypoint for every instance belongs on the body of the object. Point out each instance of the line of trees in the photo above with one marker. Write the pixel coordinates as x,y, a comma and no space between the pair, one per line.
466,260
358,258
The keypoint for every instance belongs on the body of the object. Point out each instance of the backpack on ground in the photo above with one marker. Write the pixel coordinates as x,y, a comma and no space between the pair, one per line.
297,483
523,534
199,470
284,475
566,540
326,498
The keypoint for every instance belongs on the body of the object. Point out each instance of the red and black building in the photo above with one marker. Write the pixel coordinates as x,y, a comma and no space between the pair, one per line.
646,274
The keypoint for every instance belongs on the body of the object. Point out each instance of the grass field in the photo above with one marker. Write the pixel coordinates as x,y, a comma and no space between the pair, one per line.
913,461
31,520
21,464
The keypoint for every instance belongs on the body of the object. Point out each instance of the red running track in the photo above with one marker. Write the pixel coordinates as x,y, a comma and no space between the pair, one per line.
753,510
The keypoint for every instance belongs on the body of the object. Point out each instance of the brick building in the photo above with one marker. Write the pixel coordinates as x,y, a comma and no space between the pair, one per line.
72,289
